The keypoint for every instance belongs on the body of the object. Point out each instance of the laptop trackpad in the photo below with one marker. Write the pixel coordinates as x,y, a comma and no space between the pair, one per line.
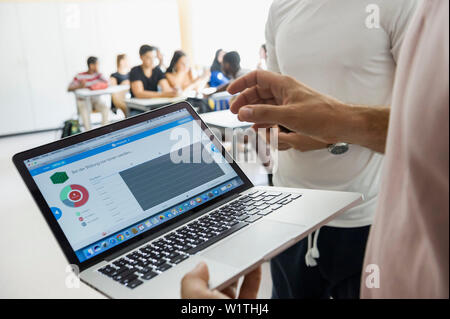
253,243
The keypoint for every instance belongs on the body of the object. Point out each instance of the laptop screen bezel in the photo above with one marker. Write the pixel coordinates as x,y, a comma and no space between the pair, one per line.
20,158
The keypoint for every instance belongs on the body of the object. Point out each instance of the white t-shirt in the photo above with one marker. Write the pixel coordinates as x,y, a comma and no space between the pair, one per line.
335,47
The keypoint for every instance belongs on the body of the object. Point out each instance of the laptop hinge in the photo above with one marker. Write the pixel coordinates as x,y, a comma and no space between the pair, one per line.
170,228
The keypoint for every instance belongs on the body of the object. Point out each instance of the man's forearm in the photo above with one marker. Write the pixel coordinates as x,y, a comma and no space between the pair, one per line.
363,125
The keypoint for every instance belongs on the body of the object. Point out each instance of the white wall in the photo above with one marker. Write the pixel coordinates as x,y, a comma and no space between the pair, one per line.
233,25
45,43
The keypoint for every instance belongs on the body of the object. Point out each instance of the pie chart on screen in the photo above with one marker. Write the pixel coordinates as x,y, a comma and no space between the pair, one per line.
74,195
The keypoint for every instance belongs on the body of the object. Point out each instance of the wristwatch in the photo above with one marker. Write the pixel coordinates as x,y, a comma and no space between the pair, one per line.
338,148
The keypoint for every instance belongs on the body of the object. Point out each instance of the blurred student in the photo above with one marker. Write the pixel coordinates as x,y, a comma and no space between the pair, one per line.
120,77
91,79
217,77
231,67
262,64
148,81
180,76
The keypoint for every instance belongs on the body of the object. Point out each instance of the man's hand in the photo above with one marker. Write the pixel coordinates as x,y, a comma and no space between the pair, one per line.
269,99
195,285
302,110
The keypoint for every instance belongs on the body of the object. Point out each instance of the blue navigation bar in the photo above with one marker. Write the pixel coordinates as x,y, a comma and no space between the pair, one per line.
109,146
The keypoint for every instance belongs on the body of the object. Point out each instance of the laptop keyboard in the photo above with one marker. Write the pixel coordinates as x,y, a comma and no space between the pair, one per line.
153,259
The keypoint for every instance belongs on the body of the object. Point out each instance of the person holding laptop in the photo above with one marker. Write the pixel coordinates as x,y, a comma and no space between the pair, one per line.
148,81
408,249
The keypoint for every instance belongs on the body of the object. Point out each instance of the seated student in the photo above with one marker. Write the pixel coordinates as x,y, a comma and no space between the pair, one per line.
90,79
217,77
179,74
120,77
231,67
145,78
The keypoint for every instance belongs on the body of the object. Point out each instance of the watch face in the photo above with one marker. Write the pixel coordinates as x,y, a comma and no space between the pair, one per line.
339,148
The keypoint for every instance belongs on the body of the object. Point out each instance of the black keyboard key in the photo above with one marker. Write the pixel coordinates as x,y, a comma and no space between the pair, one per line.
107,270
128,279
134,284
173,255
198,241
146,270
164,267
184,248
232,223
178,259
119,263
149,275
118,271
237,214
132,262
158,262
215,239
295,196
123,274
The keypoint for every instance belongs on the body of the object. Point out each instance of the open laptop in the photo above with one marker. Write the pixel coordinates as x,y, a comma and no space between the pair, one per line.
130,205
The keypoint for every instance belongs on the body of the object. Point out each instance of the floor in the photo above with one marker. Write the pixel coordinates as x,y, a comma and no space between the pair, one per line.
27,273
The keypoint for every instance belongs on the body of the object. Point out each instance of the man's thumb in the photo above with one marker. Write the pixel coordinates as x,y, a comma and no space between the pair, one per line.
201,271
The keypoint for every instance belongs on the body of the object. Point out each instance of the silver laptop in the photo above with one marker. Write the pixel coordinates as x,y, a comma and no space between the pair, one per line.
137,204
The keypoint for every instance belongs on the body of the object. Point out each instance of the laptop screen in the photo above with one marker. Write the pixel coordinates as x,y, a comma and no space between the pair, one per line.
109,189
